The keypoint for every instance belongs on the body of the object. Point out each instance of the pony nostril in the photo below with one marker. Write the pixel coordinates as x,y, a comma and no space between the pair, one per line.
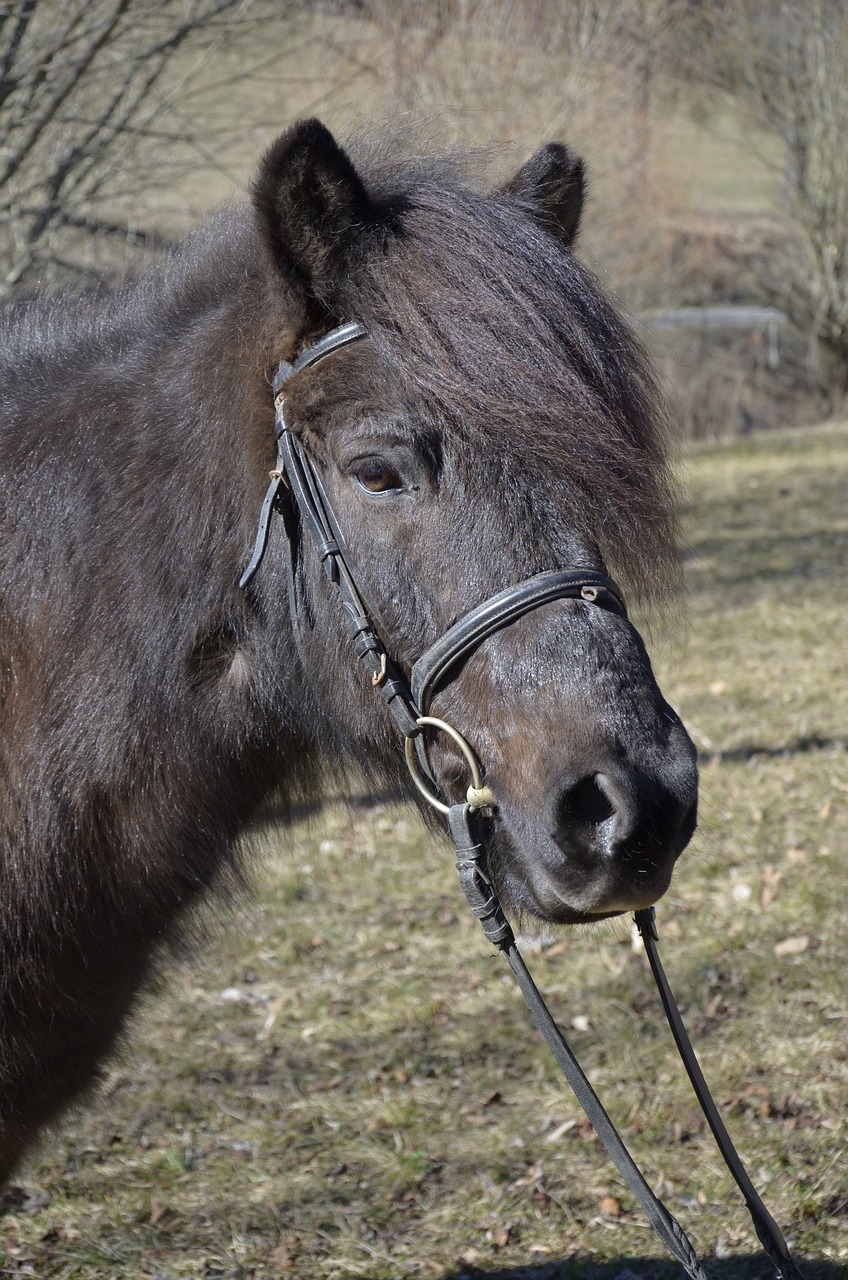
584,806
598,815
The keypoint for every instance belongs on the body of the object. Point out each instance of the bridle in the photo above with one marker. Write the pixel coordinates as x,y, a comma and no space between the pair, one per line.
295,484
296,491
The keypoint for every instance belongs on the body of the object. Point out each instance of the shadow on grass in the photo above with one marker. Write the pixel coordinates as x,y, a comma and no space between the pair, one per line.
803,745
276,812
627,1268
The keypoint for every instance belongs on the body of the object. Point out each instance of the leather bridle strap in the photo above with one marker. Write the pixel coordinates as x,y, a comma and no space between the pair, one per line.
339,337
465,828
500,611
436,664
768,1232
295,472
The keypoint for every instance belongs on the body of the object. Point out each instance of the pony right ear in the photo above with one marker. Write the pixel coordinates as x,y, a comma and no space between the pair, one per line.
551,185
312,207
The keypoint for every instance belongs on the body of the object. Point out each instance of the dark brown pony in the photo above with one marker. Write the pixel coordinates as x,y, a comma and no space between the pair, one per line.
498,420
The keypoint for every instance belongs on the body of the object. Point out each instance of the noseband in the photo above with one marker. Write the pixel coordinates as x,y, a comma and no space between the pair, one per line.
296,487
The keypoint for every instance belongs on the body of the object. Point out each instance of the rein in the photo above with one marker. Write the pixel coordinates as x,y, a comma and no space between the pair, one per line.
296,488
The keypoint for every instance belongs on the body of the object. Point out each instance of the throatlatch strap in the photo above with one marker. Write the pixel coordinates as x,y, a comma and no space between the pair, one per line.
332,341
295,469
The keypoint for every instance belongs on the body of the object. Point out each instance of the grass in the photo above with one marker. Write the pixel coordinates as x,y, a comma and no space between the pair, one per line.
341,1080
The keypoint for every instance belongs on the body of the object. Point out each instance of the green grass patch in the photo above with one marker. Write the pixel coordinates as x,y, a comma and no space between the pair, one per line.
342,1080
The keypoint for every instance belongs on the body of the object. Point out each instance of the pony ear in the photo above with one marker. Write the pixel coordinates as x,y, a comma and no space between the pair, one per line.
551,185
311,206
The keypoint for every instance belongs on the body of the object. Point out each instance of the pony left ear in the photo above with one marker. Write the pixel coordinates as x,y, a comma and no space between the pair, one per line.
551,185
312,207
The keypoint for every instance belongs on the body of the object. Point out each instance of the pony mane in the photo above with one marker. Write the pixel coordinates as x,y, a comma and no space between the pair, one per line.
497,324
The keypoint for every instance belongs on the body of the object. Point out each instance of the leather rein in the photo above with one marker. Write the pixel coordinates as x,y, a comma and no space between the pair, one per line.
296,491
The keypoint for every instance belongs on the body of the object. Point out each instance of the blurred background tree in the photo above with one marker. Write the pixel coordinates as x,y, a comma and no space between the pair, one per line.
783,63
93,115
713,131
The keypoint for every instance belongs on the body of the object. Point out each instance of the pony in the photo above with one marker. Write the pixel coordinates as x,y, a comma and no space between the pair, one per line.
498,420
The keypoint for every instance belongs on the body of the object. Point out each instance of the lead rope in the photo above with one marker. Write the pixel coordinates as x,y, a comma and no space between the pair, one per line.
768,1232
464,824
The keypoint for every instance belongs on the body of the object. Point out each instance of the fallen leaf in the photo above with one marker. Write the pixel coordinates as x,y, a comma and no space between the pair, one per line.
610,1206
792,946
285,1254
472,1256
532,1176
500,1234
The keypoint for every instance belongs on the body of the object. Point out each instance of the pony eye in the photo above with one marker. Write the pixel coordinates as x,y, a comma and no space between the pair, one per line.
378,477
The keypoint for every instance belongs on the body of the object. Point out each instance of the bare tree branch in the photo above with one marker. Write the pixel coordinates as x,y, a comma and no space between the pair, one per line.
87,117
786,60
